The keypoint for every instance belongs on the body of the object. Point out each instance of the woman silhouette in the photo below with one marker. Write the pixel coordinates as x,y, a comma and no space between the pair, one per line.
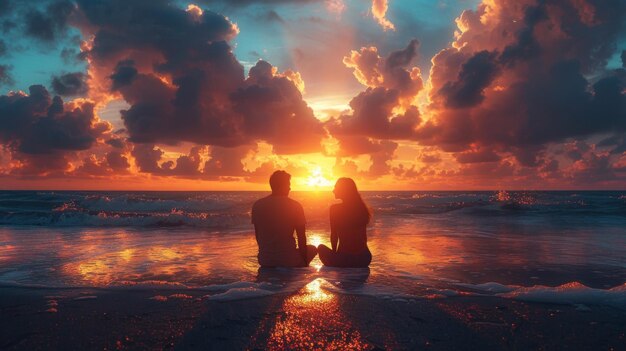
347,229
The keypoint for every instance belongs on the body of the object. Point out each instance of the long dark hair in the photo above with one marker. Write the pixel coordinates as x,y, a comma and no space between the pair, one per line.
353,200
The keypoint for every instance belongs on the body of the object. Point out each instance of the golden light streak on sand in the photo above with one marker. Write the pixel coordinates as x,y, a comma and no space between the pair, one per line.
314,321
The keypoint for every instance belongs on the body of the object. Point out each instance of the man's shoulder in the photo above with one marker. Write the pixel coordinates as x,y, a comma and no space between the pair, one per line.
264,200
293,202
271,200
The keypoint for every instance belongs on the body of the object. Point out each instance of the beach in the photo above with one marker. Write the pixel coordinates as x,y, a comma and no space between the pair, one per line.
178,270
105,320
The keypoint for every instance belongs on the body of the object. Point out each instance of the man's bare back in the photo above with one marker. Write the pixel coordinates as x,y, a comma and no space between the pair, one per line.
275,218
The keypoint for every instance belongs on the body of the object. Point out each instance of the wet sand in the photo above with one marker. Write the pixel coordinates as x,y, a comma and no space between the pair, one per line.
310,318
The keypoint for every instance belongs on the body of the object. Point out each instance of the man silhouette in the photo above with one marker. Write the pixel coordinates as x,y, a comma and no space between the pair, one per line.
275,217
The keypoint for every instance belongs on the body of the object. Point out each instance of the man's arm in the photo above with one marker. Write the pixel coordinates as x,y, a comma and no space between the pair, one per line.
300,231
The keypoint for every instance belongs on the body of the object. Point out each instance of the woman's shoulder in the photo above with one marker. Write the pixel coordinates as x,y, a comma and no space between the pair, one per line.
335,209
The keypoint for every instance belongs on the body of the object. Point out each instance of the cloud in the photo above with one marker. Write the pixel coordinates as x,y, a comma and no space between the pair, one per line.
5,76
477,156
257,2
516,78
40,130
226,162
212,163
392,72
380,153
524,92
273,110
335,6
177,71
48,25
385,110
112,164
5,6
592,168
379,11
475,75
372,115
270,16
70,84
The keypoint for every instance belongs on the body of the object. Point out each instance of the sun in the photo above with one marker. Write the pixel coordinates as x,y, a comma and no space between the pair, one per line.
317,180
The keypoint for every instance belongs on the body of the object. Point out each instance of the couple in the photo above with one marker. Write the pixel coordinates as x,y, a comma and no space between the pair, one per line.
276,216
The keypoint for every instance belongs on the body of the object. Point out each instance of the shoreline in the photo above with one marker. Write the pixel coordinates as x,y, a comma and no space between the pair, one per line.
34,319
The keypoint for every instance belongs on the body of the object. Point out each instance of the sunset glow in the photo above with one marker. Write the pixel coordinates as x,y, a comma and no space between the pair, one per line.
398,95
317,180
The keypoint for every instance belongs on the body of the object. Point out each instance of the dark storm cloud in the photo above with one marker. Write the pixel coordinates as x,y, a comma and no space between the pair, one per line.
38,124
371,110
70,84
517,91
476,74
113,163
403,58
273,110
40,130
526,46
124,74
5,6
49,24
624,58
3,48
117,161
116,143
147,157
72,56
5,75
224,164
477,156
185,165
237,3
177,71
149,160
616,144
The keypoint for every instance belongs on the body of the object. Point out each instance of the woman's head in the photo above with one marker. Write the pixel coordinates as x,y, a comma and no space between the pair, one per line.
345,189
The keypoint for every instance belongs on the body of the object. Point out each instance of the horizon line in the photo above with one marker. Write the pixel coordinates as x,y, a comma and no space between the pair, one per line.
313,191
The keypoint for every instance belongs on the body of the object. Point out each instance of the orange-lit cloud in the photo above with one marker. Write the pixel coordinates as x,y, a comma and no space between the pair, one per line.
379,11
527,93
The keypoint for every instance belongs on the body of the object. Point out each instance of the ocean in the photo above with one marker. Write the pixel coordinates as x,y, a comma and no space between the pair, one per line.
547,246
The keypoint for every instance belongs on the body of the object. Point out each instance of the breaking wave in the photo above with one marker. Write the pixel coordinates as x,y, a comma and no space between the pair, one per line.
231,209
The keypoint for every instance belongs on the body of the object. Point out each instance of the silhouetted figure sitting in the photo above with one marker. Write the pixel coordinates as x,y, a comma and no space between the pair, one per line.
275,218
347,229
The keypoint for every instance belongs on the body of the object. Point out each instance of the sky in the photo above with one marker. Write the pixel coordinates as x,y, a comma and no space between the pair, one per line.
396,94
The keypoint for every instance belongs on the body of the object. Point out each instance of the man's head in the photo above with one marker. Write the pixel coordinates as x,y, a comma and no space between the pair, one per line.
280,182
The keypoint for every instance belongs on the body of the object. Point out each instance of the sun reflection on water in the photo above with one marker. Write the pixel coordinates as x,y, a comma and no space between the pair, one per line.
96,260
314,239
